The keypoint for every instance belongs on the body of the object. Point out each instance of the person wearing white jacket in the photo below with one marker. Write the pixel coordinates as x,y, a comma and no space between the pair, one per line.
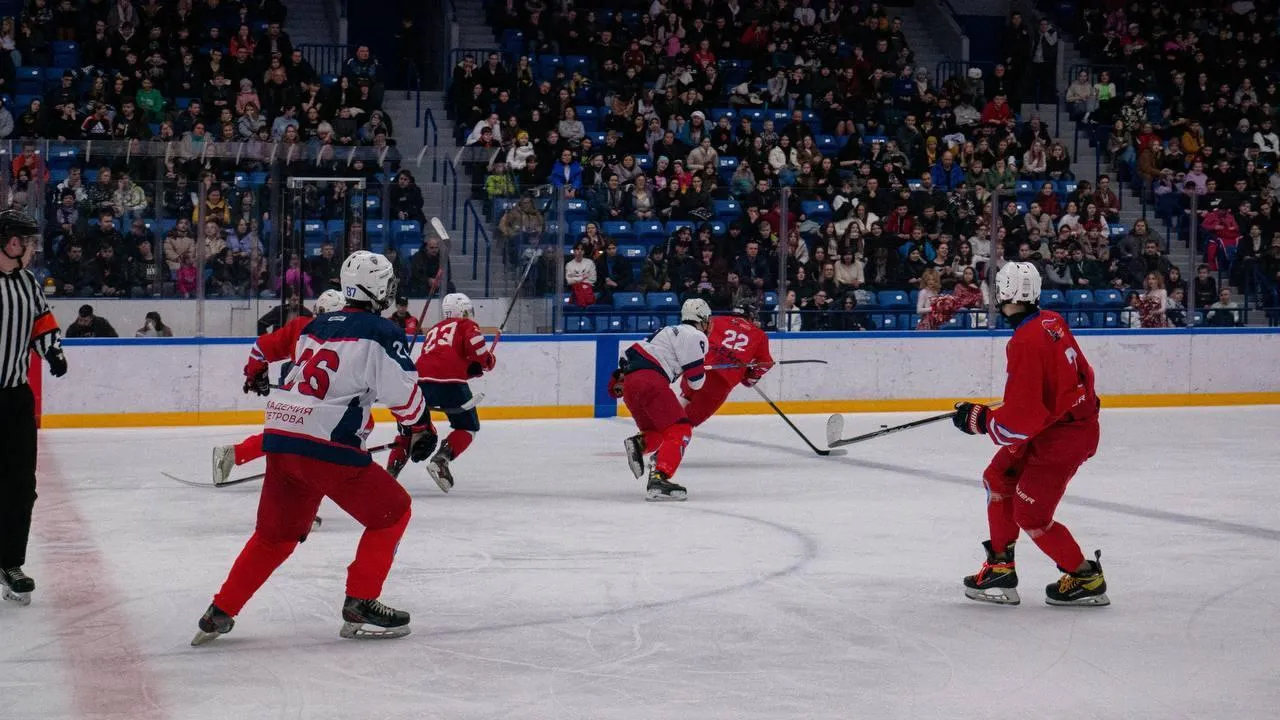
783,155
1267,141
580,269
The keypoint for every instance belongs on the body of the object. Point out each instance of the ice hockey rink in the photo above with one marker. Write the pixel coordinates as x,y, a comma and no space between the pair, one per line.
788,586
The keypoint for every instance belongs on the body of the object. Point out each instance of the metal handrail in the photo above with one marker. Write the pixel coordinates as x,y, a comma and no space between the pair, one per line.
448,169
471,215
431,141
326,58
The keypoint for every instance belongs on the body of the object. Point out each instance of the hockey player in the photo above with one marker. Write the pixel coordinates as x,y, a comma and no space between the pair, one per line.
1046,428
315,449
734,340
277,345
453,351
643,381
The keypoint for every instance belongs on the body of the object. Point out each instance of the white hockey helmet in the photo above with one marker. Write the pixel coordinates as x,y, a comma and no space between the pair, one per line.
1018,282
458,305
329,301
695,310
368,277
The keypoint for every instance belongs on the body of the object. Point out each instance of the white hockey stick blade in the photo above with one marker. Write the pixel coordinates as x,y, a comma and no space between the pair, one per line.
835,429
474,401
439,228
357,631
184,481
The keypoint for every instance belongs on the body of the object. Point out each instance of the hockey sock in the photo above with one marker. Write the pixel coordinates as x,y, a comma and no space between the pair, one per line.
1000,519
652,440
459,440
374,555
1057,542
674,440
255,564
248,450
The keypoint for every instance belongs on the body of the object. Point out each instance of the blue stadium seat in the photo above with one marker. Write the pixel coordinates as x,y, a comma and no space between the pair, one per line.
650,231
883,321
606,323
547,65
717,113
621,231
644,323
827,144
1108,298
1080,298
328,80
52,76
1052,299
628,301
313,231
894,299
634,253
644,161
376,232
674,226
65,54
576,229
29,80
578,323
1106,319
727,210
405,230
1078,320
718,228
575,209
770,300
577,63
335,230
1117,231
663,301
1067,187
1024,190
818,211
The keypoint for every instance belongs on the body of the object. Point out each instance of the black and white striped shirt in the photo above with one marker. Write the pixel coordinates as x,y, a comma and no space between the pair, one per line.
26,324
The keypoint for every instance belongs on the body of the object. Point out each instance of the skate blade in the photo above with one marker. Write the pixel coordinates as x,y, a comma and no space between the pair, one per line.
995,596
659,496
21,598
1091,601
357,631
203,637
443,482
219,474
637,466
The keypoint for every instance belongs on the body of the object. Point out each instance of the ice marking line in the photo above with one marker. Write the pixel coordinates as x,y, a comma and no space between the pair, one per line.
108,673
1223,526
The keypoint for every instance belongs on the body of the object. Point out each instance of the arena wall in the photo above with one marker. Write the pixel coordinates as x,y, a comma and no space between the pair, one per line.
190,381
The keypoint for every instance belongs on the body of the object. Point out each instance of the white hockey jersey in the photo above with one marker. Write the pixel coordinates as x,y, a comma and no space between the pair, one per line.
345,361
673,351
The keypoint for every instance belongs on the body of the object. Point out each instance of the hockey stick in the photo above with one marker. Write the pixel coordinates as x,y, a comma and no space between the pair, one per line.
516,295
735,366
835,428
787,420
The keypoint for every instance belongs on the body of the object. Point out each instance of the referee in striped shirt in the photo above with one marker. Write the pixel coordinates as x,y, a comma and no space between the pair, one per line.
25,325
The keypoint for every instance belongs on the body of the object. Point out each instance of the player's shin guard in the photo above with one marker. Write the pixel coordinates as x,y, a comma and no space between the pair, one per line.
674,440
997,580
459,441
256,562
374,556
249,449
1003,529
1057,542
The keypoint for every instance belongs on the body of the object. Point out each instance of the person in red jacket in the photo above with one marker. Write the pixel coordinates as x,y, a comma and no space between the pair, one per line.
272,347
453,352
732,339
1047,427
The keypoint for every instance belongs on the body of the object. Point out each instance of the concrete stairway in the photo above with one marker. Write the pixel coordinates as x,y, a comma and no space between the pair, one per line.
307,23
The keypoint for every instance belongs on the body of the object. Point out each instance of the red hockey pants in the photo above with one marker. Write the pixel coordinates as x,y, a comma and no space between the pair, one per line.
658,414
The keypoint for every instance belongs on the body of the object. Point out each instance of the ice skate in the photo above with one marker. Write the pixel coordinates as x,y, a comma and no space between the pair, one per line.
438,467
224,458
17,586
661,488
388,622
997,581
1087,588
213,623
634,446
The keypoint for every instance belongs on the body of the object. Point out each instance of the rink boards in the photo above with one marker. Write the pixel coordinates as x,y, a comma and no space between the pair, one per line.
197,381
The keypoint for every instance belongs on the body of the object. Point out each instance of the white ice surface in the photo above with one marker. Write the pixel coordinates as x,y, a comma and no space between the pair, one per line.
789,586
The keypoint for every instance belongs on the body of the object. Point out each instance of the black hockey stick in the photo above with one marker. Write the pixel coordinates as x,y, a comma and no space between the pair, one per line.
835,428
516,295
422,316
732,366
787,420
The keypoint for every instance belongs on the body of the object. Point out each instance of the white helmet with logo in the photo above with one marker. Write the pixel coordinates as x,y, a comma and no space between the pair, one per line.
1018,282
458,305
369,278
329,301
695,310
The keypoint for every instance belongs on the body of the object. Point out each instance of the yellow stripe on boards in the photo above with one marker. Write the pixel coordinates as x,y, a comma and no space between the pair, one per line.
560,412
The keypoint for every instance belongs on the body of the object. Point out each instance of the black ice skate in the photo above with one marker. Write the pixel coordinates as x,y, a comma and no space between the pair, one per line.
212,624
634,447
660,488
357,613
17,586
1087,588
997,581
438,467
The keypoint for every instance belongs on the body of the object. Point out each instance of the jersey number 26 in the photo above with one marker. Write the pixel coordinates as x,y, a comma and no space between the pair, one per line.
315,367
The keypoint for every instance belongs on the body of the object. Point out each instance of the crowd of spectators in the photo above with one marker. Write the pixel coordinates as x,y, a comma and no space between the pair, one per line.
1184,102
191,108
697,116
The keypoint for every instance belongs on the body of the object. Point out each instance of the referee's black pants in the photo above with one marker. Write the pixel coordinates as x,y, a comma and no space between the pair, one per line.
17,472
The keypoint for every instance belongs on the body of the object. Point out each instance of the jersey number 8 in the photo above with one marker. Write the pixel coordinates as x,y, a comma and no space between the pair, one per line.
314,366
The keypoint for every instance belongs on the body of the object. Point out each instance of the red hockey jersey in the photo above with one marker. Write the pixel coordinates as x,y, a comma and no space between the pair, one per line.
733,339
1049,380
449,347
276,345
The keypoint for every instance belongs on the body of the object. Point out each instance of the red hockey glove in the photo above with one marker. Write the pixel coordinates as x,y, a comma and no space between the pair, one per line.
481,366
754,374
420,437
399,455
255,378
971,418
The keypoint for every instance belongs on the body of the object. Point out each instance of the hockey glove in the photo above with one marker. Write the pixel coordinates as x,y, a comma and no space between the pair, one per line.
482,365
753,375
399,455
420,437
57,362
257,384
615,384
971,418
